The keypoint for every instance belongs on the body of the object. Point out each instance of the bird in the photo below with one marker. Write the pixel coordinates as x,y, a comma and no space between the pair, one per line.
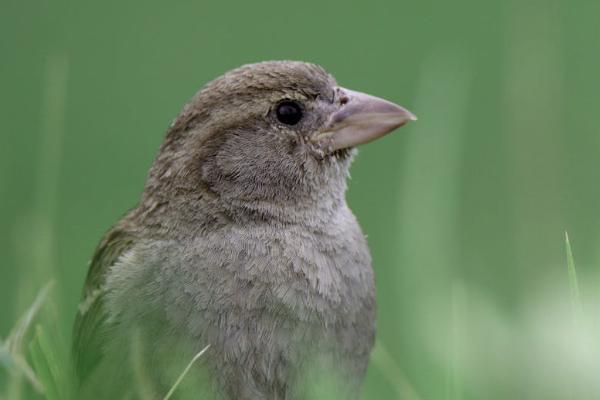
242,245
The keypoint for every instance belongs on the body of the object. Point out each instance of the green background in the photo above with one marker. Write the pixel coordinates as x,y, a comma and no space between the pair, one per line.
465,210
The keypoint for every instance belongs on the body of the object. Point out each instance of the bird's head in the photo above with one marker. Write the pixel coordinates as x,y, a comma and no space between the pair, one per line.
277,133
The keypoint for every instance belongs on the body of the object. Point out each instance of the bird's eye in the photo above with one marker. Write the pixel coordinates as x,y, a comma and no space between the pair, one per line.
289,112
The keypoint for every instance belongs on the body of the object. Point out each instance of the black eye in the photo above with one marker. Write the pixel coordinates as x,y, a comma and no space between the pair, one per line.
289,112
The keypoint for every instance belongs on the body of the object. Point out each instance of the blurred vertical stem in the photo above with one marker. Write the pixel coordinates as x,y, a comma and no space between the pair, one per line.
45,207
429,207
35,236
459,302
430,182
534,96
533,127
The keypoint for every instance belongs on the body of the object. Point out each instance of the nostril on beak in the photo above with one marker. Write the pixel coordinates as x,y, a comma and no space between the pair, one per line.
360,118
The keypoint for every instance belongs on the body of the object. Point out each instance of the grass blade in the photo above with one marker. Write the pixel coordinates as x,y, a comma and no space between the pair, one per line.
184,373
393,373
50,366
14,342
12,352
44,364
573,283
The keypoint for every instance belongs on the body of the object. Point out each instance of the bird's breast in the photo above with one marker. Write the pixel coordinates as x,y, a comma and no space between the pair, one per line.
268,295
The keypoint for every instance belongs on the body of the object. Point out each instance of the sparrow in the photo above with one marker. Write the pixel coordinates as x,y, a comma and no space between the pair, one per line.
242,241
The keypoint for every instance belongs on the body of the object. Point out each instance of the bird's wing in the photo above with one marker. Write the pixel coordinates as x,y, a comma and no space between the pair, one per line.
91,328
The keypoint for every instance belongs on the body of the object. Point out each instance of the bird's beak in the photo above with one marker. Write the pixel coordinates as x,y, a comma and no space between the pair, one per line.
361,118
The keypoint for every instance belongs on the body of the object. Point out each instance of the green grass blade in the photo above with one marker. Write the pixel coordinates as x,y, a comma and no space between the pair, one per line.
573,283
22,368
42,365
5,358
393,373
12,350
14,342
184,373
49,367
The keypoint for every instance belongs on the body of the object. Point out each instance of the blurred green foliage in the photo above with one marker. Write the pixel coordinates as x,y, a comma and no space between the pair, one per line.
465,210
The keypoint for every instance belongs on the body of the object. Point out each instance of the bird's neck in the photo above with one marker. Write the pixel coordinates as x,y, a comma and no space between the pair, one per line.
310,211
193,213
